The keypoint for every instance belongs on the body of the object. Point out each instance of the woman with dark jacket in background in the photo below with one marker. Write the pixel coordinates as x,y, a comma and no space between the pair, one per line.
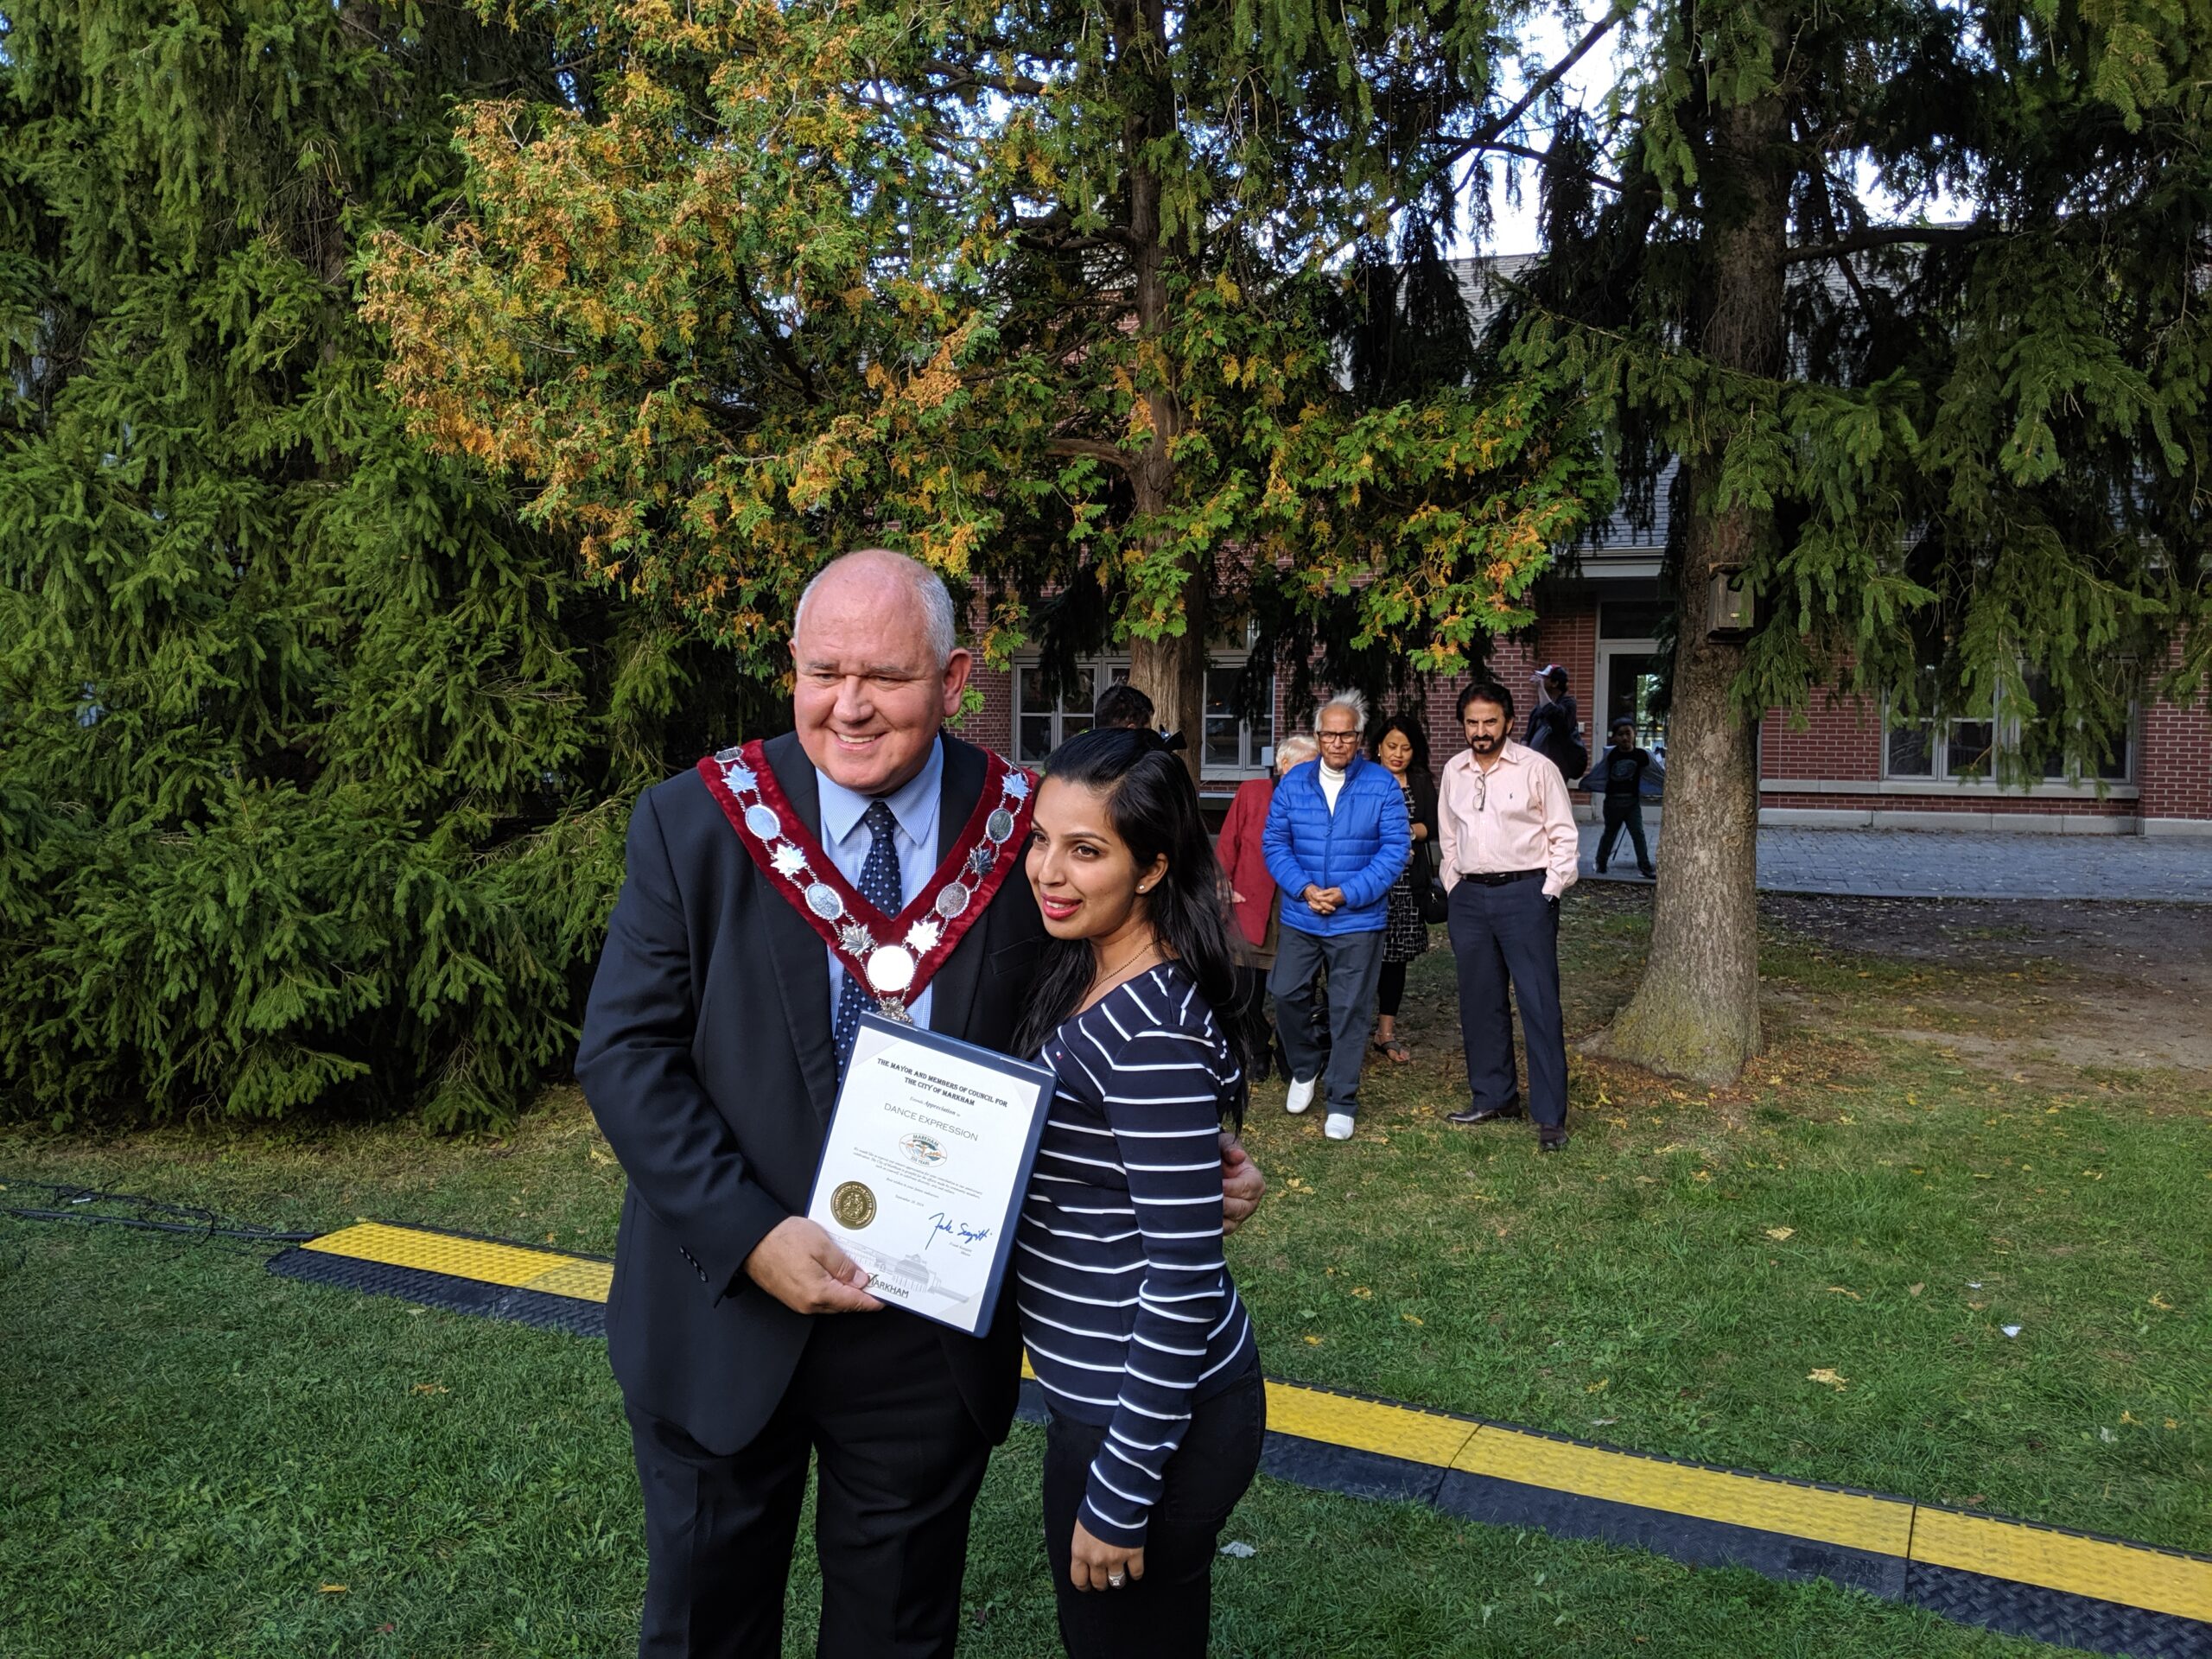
1252,901
1401,747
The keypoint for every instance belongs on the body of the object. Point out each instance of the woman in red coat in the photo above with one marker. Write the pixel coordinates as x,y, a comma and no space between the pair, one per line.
1252,897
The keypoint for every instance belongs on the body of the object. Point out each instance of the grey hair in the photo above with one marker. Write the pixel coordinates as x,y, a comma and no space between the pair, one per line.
1351,700
936,600
1296,750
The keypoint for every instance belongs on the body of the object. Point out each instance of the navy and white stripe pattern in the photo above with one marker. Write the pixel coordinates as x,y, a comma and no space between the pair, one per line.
1126,1302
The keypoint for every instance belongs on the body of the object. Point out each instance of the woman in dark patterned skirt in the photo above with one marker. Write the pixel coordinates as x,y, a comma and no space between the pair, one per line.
1401,749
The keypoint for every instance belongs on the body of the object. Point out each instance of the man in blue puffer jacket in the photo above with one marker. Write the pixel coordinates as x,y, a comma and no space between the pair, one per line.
1336,838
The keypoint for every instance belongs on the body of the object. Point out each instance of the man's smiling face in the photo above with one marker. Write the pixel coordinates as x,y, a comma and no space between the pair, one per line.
869,694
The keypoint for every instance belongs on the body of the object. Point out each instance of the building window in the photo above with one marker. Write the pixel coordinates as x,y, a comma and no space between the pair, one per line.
1235,748
1967,747
1228,747
1041,723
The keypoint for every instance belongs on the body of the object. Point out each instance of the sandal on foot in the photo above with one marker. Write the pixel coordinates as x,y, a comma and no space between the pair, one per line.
1392,1049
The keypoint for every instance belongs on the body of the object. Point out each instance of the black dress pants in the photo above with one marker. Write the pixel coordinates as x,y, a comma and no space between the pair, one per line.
900,1462
1500,934
1164,1614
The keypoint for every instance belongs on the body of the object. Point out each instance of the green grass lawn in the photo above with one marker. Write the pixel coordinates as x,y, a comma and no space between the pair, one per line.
195,1450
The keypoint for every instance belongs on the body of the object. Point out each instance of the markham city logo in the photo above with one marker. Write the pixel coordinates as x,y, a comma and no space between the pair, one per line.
922,1149
852,1204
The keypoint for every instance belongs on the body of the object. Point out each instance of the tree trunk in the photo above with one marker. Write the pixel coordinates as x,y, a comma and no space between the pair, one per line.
1171,669
1696,1012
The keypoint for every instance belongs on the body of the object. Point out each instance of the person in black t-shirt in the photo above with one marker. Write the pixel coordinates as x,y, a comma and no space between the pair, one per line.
1620,772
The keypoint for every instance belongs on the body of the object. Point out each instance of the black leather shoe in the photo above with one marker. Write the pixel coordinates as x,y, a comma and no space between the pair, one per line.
1551,1140
1486,1114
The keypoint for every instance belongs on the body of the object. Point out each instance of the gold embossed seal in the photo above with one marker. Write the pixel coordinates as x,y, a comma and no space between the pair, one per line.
852,1204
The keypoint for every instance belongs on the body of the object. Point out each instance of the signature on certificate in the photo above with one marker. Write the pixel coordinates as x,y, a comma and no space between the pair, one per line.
959,1230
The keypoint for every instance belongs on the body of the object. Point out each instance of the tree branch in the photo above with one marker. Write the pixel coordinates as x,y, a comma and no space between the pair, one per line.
1093,449
1542,84
1885,236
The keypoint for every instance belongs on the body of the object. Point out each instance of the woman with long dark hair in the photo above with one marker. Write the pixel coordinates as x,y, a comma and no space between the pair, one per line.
1401,747
1142,1345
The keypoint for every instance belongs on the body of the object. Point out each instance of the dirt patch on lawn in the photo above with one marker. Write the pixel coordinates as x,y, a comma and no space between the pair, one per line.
2125,990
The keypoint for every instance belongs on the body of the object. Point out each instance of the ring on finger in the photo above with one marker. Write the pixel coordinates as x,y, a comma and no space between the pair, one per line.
1115,1580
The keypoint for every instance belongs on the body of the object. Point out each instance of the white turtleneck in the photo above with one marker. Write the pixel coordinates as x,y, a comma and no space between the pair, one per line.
1331,783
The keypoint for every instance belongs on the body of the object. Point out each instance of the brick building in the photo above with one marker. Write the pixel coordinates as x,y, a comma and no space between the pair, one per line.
1844,767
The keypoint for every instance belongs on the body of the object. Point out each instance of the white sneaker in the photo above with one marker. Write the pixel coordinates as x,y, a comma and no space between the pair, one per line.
1300,1096
1339,1128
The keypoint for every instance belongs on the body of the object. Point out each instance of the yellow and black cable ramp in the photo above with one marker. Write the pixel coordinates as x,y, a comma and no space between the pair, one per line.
2106,1594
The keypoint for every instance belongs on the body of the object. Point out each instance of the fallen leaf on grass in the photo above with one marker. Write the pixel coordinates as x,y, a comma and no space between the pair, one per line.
1914,1290
1236,1549
1833,1379
1844,1290
1599,1387
1777,1234
2161,1303
1361,1290
2129,1417
1672,1146
331,1590
1412,1318
2010,1330
430,1387
1313,1342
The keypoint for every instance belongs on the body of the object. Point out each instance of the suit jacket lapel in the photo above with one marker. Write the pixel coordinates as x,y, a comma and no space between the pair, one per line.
953,989
796,958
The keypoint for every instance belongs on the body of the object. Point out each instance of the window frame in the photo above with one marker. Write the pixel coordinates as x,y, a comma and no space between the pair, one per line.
2005,736
1250,762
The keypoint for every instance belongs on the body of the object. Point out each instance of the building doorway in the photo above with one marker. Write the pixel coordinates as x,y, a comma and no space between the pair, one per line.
1631,669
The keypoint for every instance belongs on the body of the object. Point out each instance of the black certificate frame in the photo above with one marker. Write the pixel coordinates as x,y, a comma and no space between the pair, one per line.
1041,1078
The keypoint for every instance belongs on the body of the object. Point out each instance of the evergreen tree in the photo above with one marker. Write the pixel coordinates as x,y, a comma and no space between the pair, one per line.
1051,293
1957,453
307,743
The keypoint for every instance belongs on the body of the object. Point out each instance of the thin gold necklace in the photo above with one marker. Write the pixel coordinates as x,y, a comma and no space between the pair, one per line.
1147,957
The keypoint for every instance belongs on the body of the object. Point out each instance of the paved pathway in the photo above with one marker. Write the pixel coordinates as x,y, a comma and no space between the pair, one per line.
1937,864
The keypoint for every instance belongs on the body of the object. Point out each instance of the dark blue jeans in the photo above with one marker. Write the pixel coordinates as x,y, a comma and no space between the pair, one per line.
1500,934
1354,963
1164,1614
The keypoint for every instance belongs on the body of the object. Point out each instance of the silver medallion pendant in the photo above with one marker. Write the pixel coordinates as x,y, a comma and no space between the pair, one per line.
890,969
763,822
999,824
822,898
953,901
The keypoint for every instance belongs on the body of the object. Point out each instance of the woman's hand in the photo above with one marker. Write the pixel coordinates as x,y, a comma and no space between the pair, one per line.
1421,831
1093,1565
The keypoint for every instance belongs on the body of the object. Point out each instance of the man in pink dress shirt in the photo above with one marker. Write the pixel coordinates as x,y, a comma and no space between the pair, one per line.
1506,830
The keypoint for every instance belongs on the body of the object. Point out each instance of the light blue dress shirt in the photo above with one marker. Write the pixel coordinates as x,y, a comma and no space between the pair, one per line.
846,840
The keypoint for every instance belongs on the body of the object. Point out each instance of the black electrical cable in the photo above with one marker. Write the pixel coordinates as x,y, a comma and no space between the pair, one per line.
205,1223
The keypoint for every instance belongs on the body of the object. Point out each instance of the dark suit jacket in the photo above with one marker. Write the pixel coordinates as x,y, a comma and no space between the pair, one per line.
708,1060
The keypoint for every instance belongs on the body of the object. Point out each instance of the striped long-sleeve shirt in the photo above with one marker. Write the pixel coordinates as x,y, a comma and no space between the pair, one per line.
1126,1302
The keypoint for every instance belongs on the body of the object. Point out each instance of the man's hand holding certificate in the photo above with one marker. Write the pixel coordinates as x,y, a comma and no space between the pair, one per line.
923,1173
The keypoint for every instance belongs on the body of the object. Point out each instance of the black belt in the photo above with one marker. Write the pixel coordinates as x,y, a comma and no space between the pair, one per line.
1500,878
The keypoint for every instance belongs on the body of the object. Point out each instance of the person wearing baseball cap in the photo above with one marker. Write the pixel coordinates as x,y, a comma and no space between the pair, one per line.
1554,722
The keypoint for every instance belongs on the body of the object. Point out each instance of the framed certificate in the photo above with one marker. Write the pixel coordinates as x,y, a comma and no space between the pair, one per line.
923,1173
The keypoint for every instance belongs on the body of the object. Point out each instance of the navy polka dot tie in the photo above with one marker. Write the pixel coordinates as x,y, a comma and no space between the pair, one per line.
880,886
